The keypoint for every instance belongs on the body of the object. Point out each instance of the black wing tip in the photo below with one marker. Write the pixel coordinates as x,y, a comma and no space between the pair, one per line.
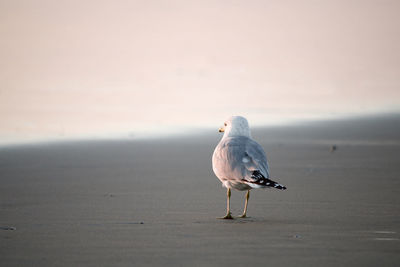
280,187
261,180
257,175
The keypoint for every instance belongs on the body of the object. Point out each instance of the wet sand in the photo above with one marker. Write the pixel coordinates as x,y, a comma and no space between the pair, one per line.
155,202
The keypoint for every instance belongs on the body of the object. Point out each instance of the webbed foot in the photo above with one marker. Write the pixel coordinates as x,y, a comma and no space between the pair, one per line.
228,216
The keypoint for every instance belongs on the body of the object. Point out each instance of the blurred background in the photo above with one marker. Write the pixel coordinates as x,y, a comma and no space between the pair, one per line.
73,69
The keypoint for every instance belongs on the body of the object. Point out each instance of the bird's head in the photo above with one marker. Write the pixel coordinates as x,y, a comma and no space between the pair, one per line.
235,126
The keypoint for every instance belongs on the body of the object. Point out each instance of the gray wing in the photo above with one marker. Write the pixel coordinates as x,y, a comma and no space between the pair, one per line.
238,157
256,158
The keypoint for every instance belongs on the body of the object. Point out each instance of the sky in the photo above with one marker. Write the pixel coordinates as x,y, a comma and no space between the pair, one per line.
93,68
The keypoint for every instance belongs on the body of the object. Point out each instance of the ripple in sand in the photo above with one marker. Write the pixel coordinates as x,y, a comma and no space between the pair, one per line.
12,228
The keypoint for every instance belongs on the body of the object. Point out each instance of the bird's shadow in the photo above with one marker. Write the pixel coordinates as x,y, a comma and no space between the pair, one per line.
235,220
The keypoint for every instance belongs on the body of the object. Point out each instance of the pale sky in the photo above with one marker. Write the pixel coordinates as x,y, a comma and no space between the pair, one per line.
70,68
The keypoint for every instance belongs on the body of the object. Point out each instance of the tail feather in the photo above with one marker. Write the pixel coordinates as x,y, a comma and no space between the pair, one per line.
261,181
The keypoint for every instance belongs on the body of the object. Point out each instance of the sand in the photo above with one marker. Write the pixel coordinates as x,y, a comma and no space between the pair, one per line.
155,202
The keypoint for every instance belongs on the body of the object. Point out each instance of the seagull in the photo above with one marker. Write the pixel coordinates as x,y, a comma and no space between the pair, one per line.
240,163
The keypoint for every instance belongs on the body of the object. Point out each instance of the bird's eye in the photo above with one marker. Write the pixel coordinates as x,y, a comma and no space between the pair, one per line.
225,124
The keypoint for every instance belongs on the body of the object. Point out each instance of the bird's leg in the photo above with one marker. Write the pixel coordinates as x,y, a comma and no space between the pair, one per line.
245,204
228,210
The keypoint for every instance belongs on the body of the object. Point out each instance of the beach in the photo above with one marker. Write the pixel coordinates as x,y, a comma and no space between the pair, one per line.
155,202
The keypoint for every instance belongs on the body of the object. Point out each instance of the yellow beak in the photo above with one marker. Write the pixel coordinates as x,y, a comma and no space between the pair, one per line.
221,130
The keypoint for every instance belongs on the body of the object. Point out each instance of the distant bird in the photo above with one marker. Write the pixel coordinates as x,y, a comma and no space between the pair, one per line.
239,162
333,148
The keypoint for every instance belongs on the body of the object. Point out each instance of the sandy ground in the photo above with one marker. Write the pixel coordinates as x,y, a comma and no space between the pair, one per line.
155,202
